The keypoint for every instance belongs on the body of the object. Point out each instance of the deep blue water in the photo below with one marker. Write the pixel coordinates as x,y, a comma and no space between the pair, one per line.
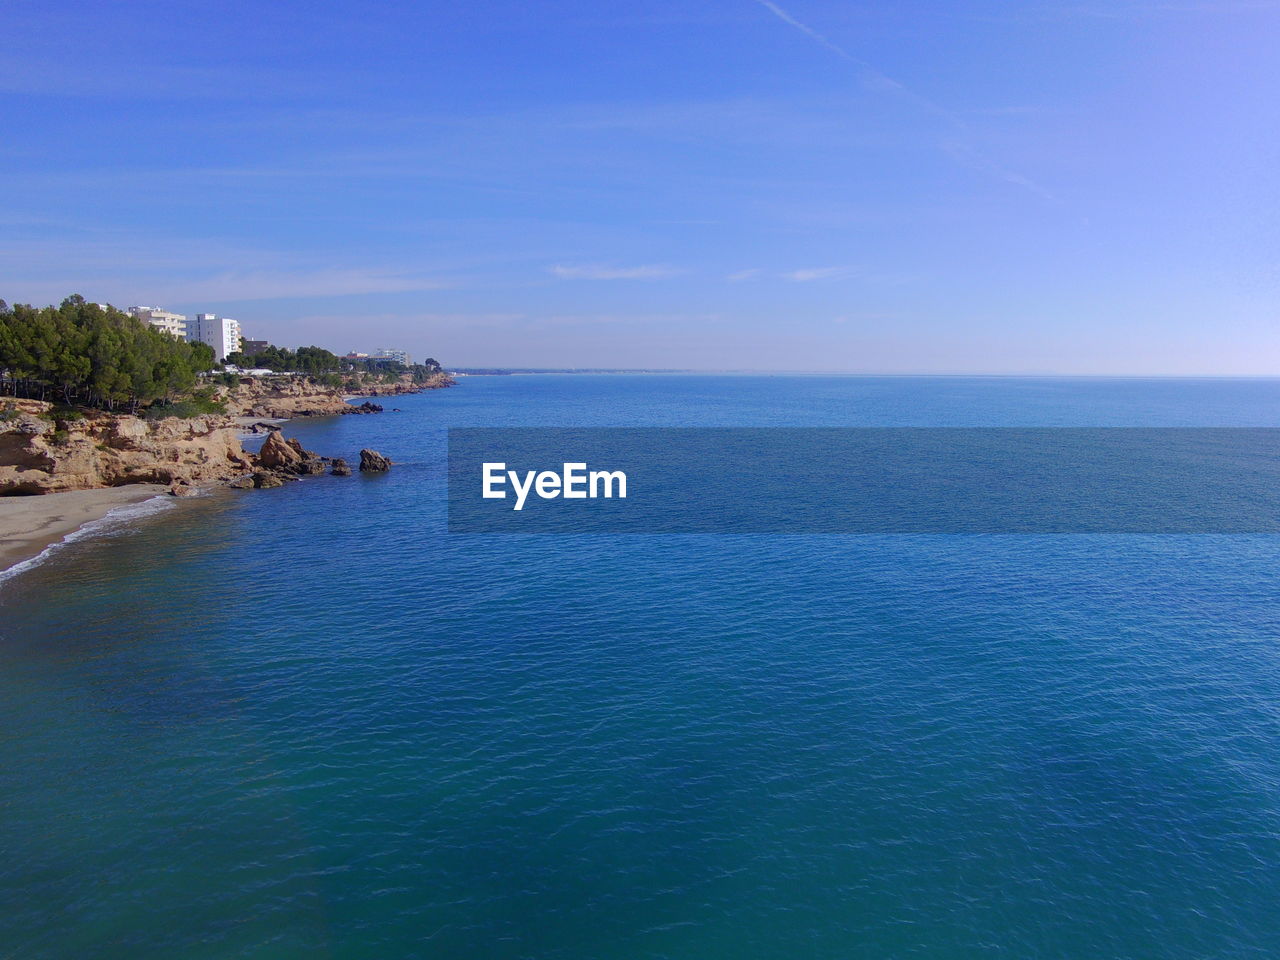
310,722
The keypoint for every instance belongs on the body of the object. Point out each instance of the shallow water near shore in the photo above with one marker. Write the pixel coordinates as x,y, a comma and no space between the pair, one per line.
34,529
309,721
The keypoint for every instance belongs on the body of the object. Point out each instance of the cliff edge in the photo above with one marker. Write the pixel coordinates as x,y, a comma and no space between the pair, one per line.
43,453
285,397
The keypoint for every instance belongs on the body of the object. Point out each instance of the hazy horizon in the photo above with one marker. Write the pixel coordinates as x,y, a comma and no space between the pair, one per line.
908,189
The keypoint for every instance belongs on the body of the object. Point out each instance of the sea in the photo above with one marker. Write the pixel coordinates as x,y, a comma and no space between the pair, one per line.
312,722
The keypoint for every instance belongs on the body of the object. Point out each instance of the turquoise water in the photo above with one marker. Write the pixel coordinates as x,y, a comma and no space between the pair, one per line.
309,722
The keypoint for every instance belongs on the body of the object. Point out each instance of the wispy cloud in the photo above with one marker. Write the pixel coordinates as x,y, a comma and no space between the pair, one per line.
127,281
1120,10
810,274
429,322
160,81
273,285
801,275
598,271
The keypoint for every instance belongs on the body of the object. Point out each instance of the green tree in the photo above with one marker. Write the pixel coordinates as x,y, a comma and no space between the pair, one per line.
95,356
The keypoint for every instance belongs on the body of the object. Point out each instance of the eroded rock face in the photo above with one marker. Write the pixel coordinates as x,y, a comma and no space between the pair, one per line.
406,385
17,449
277,453
281,397
44,452
39,454
126,431
288,458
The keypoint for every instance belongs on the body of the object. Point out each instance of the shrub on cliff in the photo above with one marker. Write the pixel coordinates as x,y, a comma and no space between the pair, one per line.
200,403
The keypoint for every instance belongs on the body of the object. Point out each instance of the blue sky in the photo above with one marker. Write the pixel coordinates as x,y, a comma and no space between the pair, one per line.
995,187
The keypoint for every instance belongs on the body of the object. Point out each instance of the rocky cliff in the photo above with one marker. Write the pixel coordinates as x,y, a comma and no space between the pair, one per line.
40,453
287,397
406,385
281,397
43,450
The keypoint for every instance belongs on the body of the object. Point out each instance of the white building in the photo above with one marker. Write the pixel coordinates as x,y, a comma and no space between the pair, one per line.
391,353
382,353
171,323
221,333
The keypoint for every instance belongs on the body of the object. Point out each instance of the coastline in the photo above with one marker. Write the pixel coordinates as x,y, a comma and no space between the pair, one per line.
31,525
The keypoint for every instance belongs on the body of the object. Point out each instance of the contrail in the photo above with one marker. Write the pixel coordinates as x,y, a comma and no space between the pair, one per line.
965,154
785,17
871,77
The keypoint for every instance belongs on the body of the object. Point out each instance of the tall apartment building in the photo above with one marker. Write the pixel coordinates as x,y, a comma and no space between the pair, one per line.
171,323
391,353
221,333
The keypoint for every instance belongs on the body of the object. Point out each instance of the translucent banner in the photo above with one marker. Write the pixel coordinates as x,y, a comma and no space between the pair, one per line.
864,480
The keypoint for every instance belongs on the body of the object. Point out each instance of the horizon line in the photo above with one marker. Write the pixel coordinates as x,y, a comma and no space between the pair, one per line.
619,371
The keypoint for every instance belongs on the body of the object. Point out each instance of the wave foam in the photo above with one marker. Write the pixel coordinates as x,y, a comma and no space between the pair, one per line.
117,521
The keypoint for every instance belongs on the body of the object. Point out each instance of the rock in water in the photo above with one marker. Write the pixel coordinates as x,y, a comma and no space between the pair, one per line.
182,490
264,481
340,468
278,454
241,483
371,461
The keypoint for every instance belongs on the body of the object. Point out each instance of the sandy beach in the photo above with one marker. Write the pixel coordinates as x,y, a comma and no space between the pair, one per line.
30,524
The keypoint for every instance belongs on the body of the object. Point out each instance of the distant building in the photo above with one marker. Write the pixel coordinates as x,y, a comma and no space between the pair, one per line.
171,323
382,355
390,353
251,348
221,333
